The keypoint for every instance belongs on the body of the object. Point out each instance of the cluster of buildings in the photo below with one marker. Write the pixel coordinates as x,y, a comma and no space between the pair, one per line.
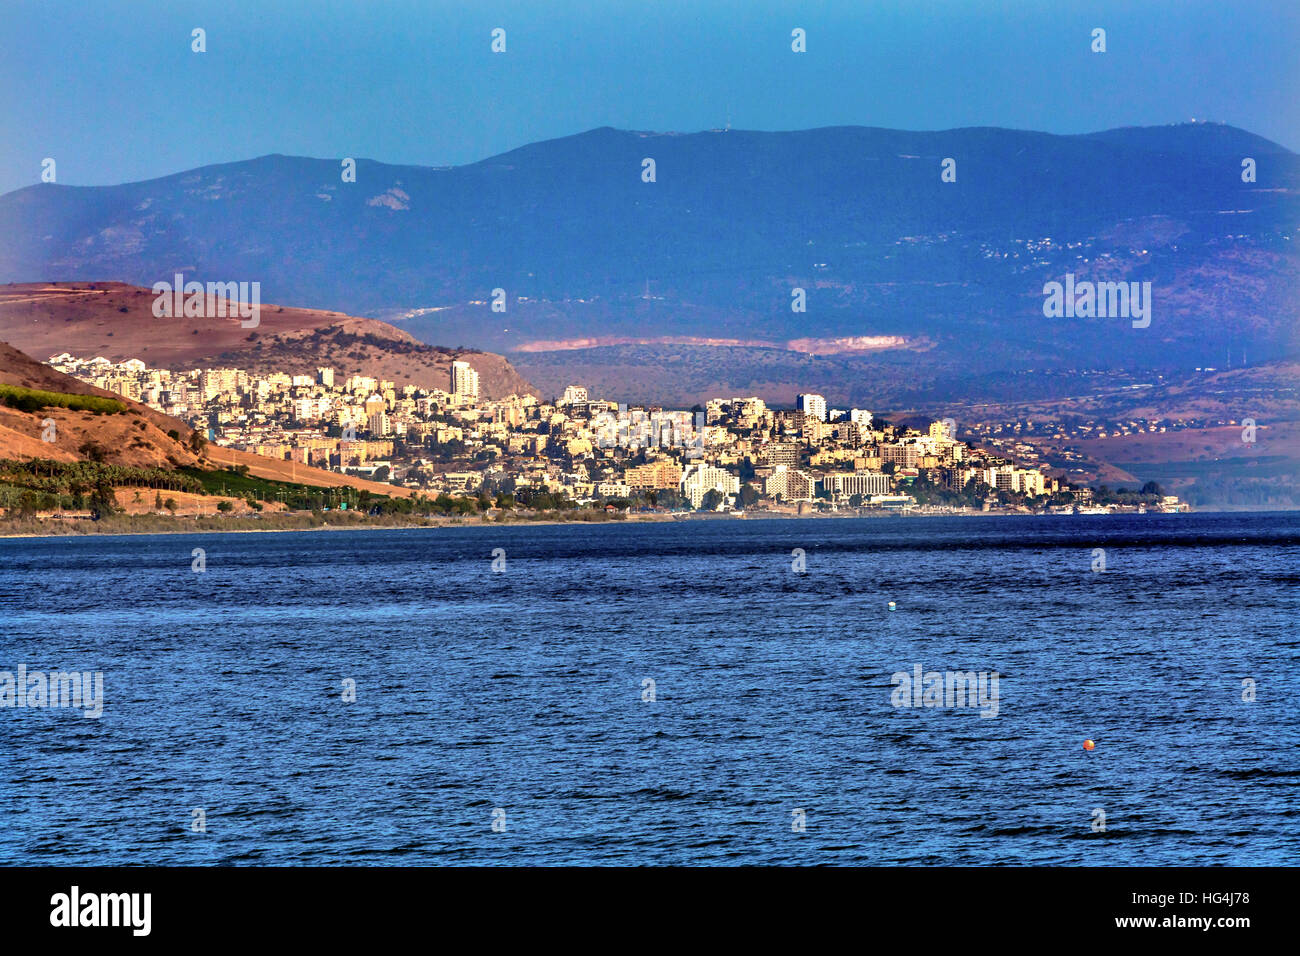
1089,428
732,453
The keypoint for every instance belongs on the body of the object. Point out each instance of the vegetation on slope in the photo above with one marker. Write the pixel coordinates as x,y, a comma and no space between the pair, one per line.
34,399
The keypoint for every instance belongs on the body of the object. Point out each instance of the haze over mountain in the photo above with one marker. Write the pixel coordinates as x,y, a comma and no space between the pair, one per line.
910,281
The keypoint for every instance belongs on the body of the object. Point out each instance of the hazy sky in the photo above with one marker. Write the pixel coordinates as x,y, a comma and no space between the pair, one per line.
112,91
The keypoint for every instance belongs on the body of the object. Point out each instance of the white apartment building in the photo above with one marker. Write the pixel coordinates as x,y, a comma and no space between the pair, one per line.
868,483
699,479
1011,478
464,382
574,394
309,409
814,405
791,484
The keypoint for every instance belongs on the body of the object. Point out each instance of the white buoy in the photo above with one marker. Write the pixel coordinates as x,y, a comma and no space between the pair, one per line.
893,606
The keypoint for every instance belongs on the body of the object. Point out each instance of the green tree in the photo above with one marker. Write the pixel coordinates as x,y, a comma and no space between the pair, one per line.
103,502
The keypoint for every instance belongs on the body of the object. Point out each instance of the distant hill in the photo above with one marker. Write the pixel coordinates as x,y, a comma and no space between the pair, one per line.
939,275
117,321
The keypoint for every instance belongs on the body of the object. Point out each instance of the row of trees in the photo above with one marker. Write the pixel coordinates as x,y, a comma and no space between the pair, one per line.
1147,494
81,477
101,502
34,399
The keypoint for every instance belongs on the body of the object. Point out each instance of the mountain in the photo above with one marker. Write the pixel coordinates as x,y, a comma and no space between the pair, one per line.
909,280
117,321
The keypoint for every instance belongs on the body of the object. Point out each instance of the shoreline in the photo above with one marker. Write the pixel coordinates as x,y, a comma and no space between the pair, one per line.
177,526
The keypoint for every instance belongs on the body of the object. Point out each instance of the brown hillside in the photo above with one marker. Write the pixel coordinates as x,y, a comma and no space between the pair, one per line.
116,320
136,437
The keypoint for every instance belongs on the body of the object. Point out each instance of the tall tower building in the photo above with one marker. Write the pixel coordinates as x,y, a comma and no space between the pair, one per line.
464,381
814,405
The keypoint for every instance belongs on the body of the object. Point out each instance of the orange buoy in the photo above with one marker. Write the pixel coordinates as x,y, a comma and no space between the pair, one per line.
1088,745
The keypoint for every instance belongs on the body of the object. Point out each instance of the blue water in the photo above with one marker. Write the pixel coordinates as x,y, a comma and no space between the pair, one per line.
522,691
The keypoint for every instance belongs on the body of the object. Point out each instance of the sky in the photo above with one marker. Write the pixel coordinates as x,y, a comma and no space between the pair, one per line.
112,91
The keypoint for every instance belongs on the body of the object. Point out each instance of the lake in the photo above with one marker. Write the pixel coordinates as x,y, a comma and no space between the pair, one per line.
662,693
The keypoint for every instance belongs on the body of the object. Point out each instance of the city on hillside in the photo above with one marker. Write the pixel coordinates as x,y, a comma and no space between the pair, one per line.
731,455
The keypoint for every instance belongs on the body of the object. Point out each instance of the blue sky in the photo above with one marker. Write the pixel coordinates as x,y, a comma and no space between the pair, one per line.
112,91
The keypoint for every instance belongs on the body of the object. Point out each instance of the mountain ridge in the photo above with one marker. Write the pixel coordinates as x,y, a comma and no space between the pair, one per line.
735,220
